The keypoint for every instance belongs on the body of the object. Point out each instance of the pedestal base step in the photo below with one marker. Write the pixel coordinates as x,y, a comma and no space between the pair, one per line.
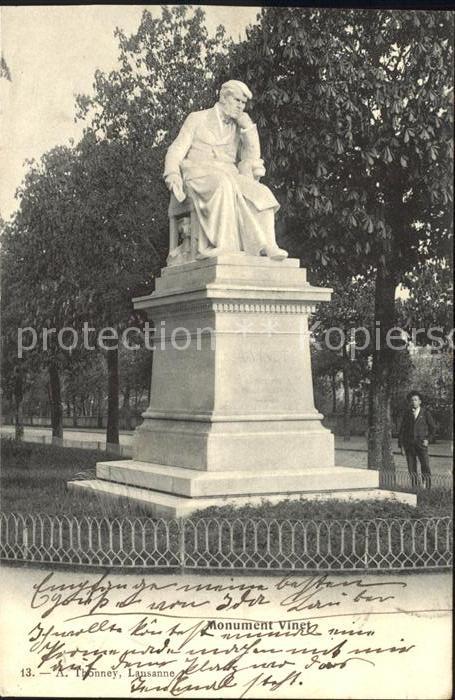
194,483
166,505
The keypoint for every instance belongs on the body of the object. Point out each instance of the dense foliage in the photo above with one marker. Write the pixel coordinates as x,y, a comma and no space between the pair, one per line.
355,112
354,109
91,228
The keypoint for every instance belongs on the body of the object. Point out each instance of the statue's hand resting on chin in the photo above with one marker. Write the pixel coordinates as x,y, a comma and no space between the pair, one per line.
244,121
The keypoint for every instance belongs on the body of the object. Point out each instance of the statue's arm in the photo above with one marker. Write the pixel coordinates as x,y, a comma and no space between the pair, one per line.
250,152
174,156
250,145
180,147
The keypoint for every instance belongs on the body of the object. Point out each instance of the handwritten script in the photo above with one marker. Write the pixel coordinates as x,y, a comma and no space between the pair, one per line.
175,636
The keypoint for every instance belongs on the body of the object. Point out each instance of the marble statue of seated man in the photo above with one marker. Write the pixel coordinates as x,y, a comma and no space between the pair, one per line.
216,161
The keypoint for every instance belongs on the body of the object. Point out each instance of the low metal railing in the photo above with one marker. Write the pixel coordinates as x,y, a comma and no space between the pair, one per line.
402,480
240,544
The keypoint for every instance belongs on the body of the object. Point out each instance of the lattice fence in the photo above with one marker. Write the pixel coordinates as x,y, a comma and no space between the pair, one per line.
246,543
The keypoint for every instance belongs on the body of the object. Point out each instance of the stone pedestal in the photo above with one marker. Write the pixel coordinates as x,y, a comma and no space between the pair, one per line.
232,387
232,413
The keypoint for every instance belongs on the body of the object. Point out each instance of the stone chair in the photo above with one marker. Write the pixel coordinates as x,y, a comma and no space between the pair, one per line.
183,231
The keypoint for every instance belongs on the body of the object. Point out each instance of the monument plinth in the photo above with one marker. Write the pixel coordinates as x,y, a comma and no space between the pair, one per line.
232,416
231,386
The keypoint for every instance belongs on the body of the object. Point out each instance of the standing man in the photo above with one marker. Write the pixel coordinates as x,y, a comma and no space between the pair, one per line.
416,430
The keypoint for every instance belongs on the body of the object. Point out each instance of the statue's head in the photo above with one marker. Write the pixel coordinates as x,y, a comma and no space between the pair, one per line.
234,88
233,97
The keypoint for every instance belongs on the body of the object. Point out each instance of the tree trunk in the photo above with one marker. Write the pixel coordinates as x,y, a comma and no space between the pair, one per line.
56,401
139,395
355,404
347,407
99,420
74,412
379,416
112,432
18,402
334,392
126,408
364,401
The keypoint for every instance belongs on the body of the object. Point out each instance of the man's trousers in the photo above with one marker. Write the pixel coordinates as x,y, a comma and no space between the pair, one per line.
414,452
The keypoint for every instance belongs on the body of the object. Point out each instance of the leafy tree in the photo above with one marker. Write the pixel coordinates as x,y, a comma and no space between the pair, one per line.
122,250
166,70
135,378
12,373
42,291
85,386
429,306
37,395
355,113
91,230
431,373
74,255
440,390
325,366
344,327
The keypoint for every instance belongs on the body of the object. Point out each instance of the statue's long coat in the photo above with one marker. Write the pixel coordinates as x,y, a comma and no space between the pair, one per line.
235,212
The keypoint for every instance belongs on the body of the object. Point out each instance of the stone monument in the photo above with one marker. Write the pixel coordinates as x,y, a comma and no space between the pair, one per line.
232,416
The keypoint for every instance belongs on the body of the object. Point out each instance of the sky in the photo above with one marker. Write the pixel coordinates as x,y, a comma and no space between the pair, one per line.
52,53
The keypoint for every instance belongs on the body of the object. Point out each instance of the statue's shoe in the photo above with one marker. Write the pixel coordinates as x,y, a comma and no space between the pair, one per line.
275,253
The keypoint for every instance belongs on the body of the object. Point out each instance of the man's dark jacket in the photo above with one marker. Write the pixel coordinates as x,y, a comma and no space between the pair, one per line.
415,430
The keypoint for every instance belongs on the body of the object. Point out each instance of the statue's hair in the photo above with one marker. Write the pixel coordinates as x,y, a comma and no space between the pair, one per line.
231,85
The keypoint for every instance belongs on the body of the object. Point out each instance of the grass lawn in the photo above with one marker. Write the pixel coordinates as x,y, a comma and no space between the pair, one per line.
34,480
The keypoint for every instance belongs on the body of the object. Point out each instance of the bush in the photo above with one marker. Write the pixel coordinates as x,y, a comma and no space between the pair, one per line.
430,503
